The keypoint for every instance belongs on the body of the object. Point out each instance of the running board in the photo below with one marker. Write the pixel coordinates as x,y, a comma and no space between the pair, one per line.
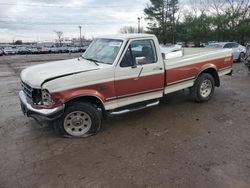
124,111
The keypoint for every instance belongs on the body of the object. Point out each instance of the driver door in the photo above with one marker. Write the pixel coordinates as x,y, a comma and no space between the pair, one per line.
136,83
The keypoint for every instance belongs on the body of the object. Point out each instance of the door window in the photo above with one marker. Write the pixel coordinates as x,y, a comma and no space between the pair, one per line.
139,48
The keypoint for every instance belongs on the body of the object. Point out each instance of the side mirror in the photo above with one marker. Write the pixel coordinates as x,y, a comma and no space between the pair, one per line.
140,60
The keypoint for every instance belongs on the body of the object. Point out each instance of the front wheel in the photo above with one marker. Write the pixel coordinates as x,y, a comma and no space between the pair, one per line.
79,120
203,88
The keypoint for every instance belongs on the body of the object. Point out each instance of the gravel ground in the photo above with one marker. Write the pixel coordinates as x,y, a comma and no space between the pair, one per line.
176,144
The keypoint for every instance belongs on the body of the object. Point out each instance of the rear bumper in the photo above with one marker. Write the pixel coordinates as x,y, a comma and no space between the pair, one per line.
42,114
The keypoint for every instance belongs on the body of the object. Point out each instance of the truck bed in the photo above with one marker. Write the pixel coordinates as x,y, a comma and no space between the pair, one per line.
187,56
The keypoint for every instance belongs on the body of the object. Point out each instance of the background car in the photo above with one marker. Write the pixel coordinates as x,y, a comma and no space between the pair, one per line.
9,51
73,49
63,49
22,50
239,51
1,52
54,50
43,50
83,48
170,48
33,50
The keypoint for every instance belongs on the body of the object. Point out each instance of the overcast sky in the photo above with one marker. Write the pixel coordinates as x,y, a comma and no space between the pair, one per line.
31,20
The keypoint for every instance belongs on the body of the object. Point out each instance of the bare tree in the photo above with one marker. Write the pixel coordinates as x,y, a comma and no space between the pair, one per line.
198,7
60,36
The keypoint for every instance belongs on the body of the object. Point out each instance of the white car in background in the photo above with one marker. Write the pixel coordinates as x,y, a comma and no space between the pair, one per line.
170,48
33,50
9,51
73,49
239,51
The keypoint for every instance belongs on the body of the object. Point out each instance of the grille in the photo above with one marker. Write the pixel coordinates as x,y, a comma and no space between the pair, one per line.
27,89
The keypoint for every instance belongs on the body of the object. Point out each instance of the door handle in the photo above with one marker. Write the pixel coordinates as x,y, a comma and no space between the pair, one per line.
139,74
157,68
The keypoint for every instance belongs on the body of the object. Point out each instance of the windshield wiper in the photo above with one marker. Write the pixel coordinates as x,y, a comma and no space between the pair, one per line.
92,60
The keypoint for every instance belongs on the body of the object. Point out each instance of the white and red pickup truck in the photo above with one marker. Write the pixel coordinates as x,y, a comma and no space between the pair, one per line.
117,74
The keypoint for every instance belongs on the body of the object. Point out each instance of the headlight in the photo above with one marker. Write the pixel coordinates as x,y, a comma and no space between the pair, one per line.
46,97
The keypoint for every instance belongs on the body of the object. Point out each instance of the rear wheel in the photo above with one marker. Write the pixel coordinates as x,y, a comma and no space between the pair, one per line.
79,120
203,88
241,57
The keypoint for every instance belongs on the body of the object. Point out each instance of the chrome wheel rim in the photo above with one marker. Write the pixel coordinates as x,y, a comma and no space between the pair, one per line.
77,123
206,88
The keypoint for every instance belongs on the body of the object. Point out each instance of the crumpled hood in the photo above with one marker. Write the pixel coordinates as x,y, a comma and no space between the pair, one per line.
36,75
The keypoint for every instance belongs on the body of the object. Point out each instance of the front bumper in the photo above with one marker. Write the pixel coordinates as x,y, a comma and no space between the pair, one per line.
43,114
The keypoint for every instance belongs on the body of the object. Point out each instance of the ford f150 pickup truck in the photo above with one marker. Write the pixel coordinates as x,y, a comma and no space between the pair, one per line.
117,74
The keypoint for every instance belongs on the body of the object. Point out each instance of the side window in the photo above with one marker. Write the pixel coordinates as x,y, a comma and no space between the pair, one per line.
228,45
127,60
235,45
139,48
231,45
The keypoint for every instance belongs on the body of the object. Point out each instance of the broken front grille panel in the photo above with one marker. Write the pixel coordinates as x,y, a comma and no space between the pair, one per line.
34,94
27,89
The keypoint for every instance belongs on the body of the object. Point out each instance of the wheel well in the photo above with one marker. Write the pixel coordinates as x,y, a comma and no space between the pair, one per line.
215,75
90,99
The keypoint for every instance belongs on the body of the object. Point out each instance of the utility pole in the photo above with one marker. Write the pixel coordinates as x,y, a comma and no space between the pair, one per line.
80,27
139,20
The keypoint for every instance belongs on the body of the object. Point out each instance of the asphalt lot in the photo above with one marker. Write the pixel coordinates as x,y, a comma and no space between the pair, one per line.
176,144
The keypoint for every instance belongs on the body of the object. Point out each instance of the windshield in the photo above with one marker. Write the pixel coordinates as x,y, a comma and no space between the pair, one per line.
103,50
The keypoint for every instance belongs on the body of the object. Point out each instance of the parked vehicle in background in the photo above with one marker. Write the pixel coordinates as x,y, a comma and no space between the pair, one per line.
33,50
170,48
22,50
43,50
117,74
181,43
1,52
9,51
83,48
239,51
63,49
247,56
211,42
190,44
73,49
54,50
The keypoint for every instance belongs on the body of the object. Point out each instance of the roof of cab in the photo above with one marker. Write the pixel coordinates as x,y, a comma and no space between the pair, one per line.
126,36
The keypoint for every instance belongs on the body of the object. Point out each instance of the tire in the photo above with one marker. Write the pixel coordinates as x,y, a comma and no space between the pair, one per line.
203,88
79,120
241,57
